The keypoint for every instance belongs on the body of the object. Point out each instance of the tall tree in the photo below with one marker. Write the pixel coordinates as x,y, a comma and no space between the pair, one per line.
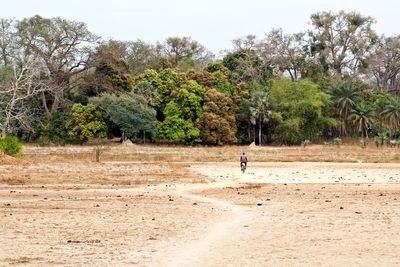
62,45
185,53
218,124
260,110
7,40
342,41
19,86
142,56
384,65
285,52
246,66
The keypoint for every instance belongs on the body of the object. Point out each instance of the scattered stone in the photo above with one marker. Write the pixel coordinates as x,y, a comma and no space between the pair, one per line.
259,204
194,203
153,219
97,205
152,238
8,204
328,200
126,205
358,212
171,199
341,207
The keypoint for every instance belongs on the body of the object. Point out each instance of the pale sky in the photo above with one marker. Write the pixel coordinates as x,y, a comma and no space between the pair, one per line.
214,23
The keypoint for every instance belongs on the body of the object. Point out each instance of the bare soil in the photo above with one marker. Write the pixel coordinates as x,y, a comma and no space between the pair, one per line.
175,206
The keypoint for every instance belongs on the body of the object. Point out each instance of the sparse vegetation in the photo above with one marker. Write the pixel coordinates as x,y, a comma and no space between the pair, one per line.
305,143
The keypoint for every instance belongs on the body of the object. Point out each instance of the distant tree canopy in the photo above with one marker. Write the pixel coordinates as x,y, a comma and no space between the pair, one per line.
61,83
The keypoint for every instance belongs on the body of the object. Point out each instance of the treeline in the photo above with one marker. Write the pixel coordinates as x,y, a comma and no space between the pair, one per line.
61,83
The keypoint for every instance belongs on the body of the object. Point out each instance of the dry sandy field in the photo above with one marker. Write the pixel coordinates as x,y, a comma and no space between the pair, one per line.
191,206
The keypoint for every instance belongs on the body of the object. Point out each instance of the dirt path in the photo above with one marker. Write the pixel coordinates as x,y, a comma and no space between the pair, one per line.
207,247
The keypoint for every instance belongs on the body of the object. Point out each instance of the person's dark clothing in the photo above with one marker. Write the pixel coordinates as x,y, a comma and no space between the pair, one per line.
243,159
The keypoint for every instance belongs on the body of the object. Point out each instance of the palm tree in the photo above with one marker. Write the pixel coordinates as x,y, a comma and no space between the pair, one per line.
345,98
260,110
362,116
391,113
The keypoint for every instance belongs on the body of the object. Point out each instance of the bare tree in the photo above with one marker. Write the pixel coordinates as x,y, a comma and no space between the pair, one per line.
286,52
19,85
179,49
384,65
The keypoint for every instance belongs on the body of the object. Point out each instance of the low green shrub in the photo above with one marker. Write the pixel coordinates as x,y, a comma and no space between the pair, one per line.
10,145
362,143
337,141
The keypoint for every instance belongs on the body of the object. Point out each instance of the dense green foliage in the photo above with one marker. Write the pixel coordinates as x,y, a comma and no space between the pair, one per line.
130,112
336,79
301,111
86,122
10,145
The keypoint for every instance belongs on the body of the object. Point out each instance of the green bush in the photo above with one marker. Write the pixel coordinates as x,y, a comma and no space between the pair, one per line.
337,141
10,145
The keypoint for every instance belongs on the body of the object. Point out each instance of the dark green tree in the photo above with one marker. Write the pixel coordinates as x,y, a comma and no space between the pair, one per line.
362,117
345,97
391,114
130,112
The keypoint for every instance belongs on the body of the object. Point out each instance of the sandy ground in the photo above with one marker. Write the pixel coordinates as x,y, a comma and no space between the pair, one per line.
277,214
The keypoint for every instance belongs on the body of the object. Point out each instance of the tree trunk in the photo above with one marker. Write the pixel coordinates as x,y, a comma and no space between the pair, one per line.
3,132
144,137
259,132
254,134
46,109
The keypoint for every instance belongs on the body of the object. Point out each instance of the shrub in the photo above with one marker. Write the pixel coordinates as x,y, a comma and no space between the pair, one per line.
305,143
379,140
10,145
337,141
362,143
398,143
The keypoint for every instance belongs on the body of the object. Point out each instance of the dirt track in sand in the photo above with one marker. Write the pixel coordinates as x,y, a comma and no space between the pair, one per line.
277,214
